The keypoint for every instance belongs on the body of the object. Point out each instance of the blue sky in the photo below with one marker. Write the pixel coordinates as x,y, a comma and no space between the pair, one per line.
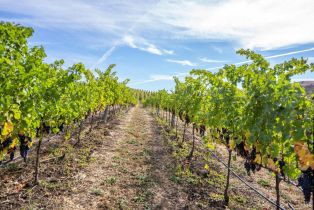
151,41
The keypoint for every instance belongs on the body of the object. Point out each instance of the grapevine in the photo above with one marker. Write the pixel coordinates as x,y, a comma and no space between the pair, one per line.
256,111
37,98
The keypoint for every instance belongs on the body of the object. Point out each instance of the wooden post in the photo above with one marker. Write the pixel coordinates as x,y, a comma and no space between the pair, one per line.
36,175
277,191
226,196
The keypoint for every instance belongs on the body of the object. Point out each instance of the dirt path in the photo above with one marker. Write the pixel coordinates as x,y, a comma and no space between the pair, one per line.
130,171
129,163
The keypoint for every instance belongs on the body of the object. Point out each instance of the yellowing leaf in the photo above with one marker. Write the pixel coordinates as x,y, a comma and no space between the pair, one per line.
271,165
306,158
14,143
247,134
30,144
258,159
17,114
7,128
67,136
232,144
210,146
206,167
258,147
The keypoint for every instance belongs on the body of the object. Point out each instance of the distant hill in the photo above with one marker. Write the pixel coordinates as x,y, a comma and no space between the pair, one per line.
308,86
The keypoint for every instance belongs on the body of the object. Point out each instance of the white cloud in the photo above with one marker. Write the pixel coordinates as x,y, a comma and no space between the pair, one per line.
302,79
265,24
138,43
182,62
279,55
154,78
142,44
104,56
152,49
169,52
289,53
160,77
96,16
214,68
180,75
129,40
310,59
207,60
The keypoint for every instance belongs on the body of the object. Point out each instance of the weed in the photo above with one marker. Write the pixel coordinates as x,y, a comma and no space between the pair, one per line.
263,183
175,179
142,178
122,203
114,165
111,180
216,197
240,199
97,192
123,170
116,158
133,141
12,167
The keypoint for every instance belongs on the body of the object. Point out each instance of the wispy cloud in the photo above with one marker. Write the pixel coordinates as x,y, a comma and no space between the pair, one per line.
104,56
207,60
160,77
33,43
144,45
218,49
157,77
129,40
229,20
182,62
154,78
289,53
136,43
99,16
169,20
302,79
108,21
270,57
166,77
